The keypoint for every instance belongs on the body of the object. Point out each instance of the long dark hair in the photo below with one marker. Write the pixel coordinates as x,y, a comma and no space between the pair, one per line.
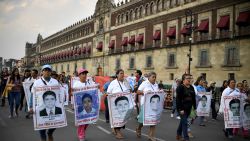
12,76
198,80
225,81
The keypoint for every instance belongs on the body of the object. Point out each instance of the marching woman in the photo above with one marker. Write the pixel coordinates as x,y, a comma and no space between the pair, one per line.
199,87
117,86
45,80
244,97
83,82
15,83
229,91
147,86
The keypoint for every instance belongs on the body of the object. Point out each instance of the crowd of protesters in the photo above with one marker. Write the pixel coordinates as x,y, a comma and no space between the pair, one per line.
184,97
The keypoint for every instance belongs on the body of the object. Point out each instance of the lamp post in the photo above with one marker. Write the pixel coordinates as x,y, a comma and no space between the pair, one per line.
189,13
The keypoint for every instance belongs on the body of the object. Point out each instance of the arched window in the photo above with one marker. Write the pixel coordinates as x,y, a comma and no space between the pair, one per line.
122,18
159,6
131,15
126,17
146,9
136,12
140,12
118,19
151,8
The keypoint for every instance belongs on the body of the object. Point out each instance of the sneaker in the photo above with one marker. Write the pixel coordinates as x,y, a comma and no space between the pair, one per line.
230,136
178,117
172,115
11,117
81,139
190,135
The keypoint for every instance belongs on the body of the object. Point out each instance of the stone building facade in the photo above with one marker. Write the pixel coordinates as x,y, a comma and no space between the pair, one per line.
153,35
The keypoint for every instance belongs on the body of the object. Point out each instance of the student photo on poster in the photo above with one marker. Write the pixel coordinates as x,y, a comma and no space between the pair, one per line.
122,107
86,104
49,101
155,104
234,106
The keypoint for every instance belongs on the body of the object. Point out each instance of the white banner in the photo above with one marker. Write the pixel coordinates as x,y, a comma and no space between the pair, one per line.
153,107
48,108
245,109
86,105
121,106
65,90
204,104
27,92
232,111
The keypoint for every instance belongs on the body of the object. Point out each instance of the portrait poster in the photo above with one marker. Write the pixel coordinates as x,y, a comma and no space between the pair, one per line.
27,92
65,90
245,112
204,104
86,105
232,111
48,108
121,106
153,107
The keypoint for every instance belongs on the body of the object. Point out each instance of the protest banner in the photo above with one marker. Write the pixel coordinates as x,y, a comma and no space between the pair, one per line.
27,92
65,90
203,108
86,105
232,111
48,108
153,107
245,112
121,106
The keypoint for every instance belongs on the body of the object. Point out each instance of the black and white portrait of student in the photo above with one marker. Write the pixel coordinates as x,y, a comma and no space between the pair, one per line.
234,106
122,107
49,101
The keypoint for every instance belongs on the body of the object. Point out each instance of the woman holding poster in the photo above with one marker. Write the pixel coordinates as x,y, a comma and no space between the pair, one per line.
117,86
147,86
245,119
233,105
200,99
86,100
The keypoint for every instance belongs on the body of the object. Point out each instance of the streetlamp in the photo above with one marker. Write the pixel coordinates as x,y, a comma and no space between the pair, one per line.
189,13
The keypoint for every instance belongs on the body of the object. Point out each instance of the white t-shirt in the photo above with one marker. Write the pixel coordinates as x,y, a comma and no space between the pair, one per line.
227,92
117,86
40,82
79,84
145,87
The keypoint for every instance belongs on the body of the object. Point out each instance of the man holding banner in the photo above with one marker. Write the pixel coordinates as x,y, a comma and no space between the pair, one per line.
86,103
120,100
230,107
151,105
48,105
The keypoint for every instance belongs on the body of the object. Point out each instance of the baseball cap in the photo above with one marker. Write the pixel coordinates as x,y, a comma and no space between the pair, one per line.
212,82
46,66
81,70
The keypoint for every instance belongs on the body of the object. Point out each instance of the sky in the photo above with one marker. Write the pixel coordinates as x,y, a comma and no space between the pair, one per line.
22,20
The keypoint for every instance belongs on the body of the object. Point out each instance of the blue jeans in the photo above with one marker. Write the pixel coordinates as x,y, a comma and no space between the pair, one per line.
14,97
183,127
43,133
